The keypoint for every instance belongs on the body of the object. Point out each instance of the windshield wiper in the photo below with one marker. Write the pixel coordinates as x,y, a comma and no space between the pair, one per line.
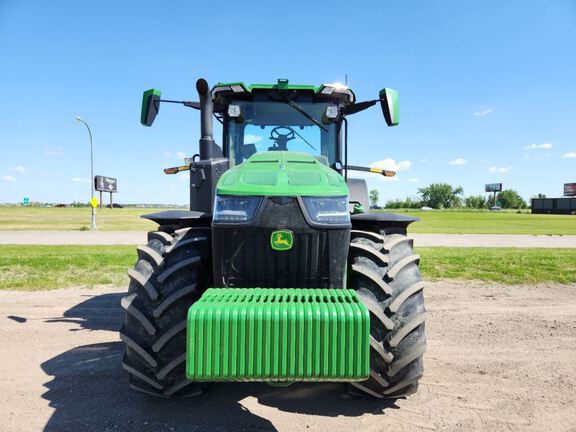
301,110
305,140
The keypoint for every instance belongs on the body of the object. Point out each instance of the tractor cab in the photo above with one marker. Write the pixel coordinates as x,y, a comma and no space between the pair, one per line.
282,117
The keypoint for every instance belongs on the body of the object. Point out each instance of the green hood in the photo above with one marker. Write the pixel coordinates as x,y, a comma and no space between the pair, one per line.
282,173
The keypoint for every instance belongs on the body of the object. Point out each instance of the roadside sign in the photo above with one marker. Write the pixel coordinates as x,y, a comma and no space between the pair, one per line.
493,187
569,189
94,202
105,184
25,201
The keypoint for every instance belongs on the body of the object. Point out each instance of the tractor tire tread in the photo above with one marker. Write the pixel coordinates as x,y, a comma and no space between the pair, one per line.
127,303
171,273
397,313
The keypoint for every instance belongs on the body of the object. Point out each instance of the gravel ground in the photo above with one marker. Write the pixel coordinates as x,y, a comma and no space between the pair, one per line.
420,240
499,358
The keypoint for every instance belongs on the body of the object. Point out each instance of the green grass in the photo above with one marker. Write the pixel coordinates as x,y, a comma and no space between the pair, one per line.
441,222
29,268
74,219
508,266
487,222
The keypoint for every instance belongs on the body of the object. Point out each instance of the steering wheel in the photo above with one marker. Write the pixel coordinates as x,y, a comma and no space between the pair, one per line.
281,139
275,134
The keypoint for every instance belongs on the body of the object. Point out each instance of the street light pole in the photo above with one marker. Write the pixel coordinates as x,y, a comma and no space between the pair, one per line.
93,224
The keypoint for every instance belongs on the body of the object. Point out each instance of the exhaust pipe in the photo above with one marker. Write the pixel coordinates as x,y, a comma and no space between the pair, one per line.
208,148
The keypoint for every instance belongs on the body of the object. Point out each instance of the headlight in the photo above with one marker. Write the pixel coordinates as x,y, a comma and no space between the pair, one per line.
229,208
327,210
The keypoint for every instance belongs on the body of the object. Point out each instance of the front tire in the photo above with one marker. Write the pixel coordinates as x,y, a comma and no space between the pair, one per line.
172,272
383,270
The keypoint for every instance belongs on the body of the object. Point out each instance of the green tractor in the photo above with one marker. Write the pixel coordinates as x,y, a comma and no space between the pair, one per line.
278,273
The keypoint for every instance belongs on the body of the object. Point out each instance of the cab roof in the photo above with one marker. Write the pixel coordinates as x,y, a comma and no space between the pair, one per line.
325,91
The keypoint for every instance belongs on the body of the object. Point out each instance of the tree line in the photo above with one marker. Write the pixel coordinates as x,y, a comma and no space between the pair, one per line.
443,195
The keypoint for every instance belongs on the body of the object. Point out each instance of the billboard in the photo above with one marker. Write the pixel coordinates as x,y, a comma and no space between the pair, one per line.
493,187
569,189
105,184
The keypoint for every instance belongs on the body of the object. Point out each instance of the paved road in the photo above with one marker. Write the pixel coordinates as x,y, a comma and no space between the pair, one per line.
420,240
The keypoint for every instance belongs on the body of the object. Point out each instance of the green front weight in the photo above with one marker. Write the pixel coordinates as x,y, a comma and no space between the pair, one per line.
278,335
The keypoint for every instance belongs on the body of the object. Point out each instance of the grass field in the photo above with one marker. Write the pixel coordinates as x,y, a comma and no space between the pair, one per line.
49,267
441,222
487,222
74,219
508,266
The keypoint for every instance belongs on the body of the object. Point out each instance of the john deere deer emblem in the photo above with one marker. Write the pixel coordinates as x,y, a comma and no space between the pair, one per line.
281,240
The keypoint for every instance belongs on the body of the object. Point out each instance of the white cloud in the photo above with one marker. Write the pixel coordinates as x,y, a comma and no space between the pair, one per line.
412,180
252,139
18,169
484,110
569,155
458,161
181,155
79,180
8,178
391,165
545,146
423,160
494,169
56,151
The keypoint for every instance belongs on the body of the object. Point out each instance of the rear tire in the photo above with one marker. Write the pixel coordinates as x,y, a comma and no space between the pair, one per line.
172,272
383,270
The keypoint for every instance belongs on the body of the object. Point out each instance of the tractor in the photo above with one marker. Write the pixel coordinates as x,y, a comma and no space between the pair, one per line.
279,272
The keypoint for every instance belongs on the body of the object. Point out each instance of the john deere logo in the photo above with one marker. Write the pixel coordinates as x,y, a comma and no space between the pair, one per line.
281,240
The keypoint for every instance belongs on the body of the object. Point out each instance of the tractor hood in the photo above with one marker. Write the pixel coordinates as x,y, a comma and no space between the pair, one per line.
282,173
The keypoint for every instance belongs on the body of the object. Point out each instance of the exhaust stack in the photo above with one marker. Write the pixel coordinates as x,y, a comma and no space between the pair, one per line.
208,148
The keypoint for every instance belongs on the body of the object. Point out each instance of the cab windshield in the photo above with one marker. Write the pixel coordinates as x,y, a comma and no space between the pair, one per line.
278,126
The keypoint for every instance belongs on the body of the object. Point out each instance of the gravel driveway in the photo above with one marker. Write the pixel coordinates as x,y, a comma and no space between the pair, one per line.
499,358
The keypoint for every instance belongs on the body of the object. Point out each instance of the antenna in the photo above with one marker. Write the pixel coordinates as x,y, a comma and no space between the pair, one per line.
346,80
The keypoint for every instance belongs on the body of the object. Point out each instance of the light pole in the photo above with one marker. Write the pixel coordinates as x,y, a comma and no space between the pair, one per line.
81,120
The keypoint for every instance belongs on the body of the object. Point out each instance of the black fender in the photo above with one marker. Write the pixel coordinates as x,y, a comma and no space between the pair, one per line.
180,218
377,221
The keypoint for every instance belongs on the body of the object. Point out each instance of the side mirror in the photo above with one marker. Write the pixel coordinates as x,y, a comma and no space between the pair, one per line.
150,106
389,104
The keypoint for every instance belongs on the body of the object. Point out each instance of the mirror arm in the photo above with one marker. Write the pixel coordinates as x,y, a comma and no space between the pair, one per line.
189,104
360,106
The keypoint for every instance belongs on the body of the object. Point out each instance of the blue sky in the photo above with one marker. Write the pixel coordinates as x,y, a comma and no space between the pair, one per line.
487,88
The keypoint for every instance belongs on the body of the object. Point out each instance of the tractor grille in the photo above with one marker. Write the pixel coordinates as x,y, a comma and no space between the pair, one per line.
243,256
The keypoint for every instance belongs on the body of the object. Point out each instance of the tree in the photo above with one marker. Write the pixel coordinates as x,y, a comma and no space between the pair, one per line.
409,203
539,196
441,195
374,197
478,202
511,199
